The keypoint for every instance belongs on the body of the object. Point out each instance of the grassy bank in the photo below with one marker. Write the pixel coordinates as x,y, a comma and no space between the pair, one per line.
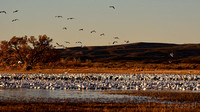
103,70
173,96
97,107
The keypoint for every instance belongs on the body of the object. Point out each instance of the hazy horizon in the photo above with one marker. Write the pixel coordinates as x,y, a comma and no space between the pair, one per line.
160,21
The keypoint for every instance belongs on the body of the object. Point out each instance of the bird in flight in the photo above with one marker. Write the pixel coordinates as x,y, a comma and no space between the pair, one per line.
112,7
70,18
102,34
79,42
115,42
58,17
126,41
67,42
93,31
15,11
64,28
171,54
81,29
3,12
15,20
59,45
116,37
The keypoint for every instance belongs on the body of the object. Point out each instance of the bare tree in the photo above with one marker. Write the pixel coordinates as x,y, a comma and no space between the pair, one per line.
29,51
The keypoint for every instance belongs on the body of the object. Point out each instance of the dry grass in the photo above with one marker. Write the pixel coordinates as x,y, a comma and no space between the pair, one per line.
97,107
103,70
184,97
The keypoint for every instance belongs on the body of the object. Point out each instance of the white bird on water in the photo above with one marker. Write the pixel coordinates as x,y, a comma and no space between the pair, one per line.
20,62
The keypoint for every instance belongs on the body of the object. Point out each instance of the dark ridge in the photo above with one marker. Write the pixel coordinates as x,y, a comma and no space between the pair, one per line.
136,52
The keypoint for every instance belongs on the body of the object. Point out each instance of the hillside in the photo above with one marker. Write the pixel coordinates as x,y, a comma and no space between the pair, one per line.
136,52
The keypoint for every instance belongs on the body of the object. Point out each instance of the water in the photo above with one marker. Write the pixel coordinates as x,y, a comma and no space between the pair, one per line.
90,87
41,95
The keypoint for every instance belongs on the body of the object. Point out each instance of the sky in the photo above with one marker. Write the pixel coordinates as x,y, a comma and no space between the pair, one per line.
166,21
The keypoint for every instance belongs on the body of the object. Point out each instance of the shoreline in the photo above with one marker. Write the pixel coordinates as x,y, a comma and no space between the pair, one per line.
104,70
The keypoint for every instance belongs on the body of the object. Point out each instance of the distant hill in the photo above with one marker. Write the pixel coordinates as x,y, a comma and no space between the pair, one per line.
136,52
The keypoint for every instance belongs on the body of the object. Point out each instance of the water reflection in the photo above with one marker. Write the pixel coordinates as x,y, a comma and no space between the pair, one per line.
27,95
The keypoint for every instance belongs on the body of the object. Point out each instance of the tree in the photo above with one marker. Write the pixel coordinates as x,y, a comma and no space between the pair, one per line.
27,52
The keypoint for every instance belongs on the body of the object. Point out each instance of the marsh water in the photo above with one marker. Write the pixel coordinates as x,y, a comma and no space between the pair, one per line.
91,87
41,95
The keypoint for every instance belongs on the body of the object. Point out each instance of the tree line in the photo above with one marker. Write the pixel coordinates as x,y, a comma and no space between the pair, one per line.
26,52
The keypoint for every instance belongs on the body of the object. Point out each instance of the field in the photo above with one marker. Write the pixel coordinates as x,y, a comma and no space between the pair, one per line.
131,58
96,107
183,101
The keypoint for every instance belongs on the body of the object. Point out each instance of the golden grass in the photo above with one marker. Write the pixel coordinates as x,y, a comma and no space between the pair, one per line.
185,97
103,70
97,107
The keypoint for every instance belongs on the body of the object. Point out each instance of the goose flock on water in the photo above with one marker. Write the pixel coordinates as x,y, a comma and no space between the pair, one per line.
102,81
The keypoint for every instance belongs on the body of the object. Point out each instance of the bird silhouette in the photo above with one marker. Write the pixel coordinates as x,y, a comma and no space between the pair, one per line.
64,28
93,31
80,29
115,42
3,12
116,37
112,7
59,45
15,20
67,42
126,41
102,34
79,42
70,18
15,11
58,17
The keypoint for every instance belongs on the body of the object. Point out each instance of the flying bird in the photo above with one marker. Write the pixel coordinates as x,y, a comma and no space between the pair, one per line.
126,41
67,42
64,28
171,54
15,20
80,29
93,31
3,12
59,45
102,34
112,7
15,11
116,37
58,17
70,18
115,42
79,42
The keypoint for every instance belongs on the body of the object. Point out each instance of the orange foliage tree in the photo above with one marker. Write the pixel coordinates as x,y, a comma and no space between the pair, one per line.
27,51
